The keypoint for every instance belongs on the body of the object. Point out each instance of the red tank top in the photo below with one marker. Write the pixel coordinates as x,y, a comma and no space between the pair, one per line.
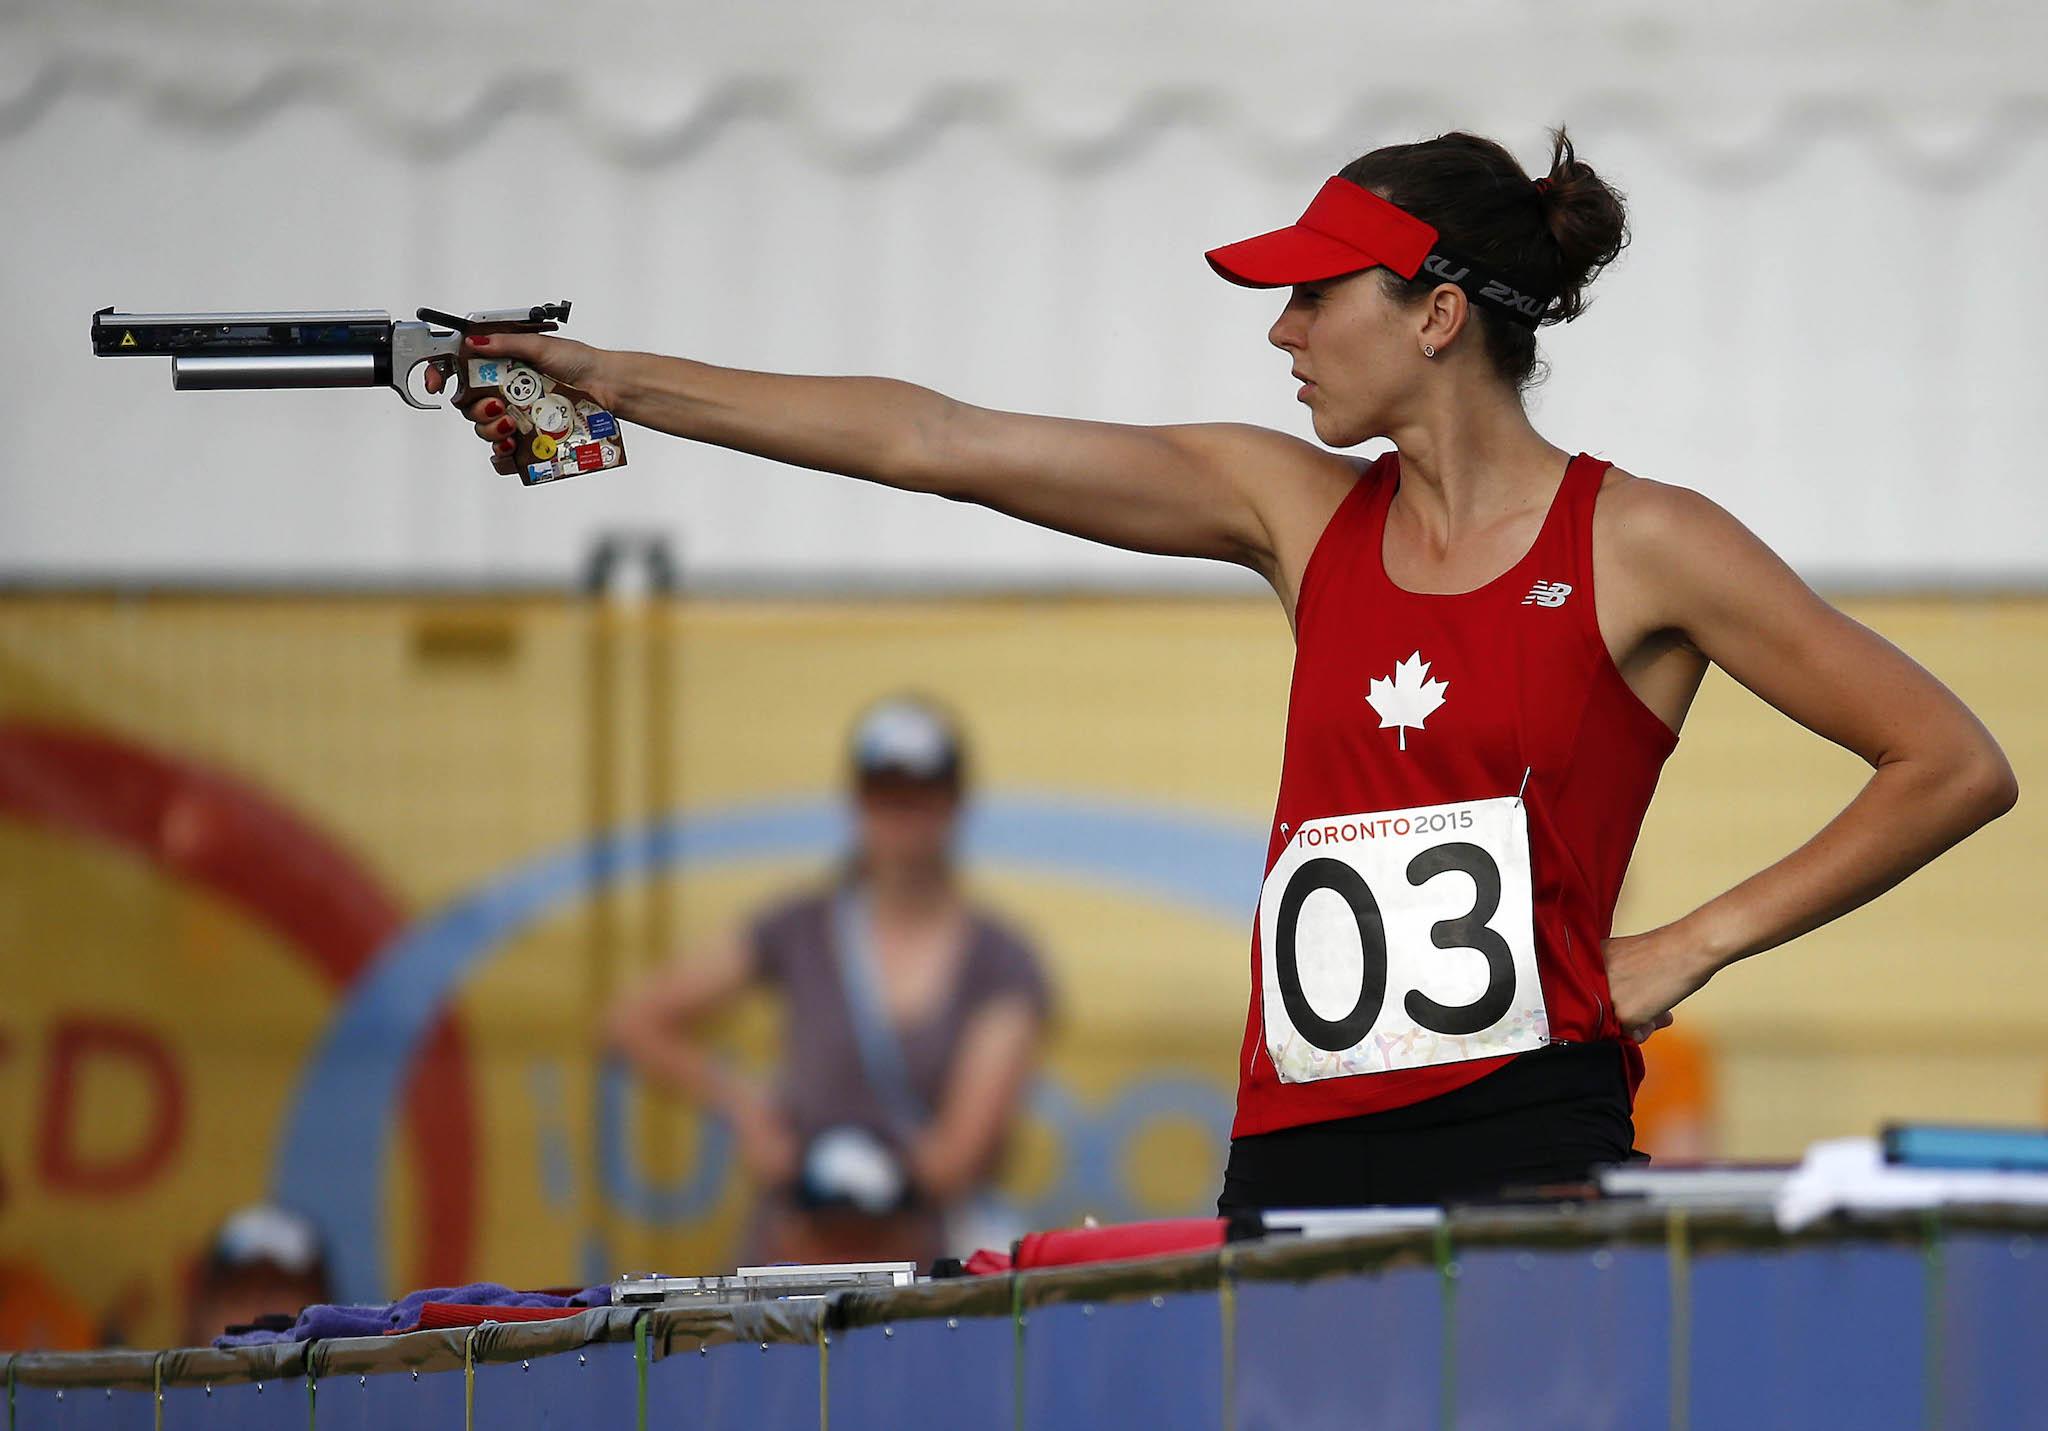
1463,782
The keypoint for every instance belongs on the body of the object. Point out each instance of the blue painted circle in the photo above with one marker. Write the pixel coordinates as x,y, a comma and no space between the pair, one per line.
330,1163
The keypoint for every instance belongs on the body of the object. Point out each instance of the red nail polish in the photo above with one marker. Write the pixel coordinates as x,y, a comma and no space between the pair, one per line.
494,409
505,426
481,340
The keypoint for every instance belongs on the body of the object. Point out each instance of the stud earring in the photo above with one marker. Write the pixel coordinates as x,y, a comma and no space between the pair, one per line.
1429,350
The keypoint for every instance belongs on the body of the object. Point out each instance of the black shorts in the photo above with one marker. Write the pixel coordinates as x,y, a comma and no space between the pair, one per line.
1549,1116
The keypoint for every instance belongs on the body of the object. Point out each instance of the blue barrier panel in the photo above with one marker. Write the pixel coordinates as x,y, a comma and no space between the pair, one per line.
82,1408
736,1386
1858,1326
1341,1354
924,1373
1578,1339
1994,1332
592,1386
350,1402
1156,1361
236,1406
1810,1336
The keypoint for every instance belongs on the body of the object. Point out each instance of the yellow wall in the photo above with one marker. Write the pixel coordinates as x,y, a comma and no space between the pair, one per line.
446,741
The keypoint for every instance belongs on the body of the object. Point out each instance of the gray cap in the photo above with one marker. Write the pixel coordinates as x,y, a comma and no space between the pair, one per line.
267,1233
909,736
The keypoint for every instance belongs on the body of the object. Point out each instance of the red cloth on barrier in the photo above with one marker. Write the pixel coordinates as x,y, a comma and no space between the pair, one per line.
463,1314
1065,1246
985,1263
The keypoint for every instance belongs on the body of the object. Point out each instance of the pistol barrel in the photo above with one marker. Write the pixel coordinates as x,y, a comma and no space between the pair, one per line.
211,373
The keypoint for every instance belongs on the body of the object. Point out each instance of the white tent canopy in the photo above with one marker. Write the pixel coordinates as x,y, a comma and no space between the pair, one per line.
1817,324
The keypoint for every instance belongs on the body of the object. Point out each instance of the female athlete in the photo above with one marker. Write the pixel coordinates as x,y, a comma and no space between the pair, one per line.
1496,642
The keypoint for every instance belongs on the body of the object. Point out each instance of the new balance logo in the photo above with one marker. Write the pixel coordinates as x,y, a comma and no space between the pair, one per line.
1547,593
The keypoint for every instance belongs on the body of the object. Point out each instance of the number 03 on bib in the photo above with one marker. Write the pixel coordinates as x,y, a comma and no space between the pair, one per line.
1401,939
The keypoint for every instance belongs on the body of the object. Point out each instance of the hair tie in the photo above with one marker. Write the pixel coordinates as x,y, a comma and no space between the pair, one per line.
1543,185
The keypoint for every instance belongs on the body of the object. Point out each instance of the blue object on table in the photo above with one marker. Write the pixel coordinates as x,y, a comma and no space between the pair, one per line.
1924,1145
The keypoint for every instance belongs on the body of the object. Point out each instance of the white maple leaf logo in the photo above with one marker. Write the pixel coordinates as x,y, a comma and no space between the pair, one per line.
1408,698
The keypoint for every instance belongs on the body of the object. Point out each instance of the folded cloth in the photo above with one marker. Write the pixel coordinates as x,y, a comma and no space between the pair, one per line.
1065,1246
985,1262
1851,1175
405,1312
321,1321
435,1315
318,1322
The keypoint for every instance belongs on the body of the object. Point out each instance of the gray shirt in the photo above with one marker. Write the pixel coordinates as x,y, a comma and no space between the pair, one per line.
824,1082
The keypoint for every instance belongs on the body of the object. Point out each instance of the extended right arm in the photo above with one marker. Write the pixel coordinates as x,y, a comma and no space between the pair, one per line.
1228,491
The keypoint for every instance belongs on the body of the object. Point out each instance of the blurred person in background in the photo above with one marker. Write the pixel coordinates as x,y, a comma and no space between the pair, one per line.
912,1022
263,1267
1439,1007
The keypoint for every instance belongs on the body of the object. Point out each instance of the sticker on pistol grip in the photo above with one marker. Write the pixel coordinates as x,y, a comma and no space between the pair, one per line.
522,385
552,415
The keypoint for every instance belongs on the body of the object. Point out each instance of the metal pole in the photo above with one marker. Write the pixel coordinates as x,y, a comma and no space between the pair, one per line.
662,631
622,627
597,1220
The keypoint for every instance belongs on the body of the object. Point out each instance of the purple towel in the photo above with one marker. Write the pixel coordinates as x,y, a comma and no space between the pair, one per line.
319,1322
316,1323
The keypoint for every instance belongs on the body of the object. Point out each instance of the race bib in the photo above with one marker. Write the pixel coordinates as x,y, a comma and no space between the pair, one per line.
1401,939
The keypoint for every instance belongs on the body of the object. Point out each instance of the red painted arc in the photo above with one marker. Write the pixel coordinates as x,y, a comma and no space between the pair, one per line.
200,825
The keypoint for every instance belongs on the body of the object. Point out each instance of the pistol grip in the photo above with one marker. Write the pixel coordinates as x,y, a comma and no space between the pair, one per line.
561,431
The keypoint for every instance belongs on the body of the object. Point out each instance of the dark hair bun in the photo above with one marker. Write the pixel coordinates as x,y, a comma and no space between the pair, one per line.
1586,217
1547,235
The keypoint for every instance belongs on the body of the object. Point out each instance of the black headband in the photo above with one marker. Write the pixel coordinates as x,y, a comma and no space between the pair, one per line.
1506,296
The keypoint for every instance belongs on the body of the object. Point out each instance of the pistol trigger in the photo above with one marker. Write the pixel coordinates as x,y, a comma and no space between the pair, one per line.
404,382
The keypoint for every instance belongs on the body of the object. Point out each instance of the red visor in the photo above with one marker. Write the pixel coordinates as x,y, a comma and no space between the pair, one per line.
1346,228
